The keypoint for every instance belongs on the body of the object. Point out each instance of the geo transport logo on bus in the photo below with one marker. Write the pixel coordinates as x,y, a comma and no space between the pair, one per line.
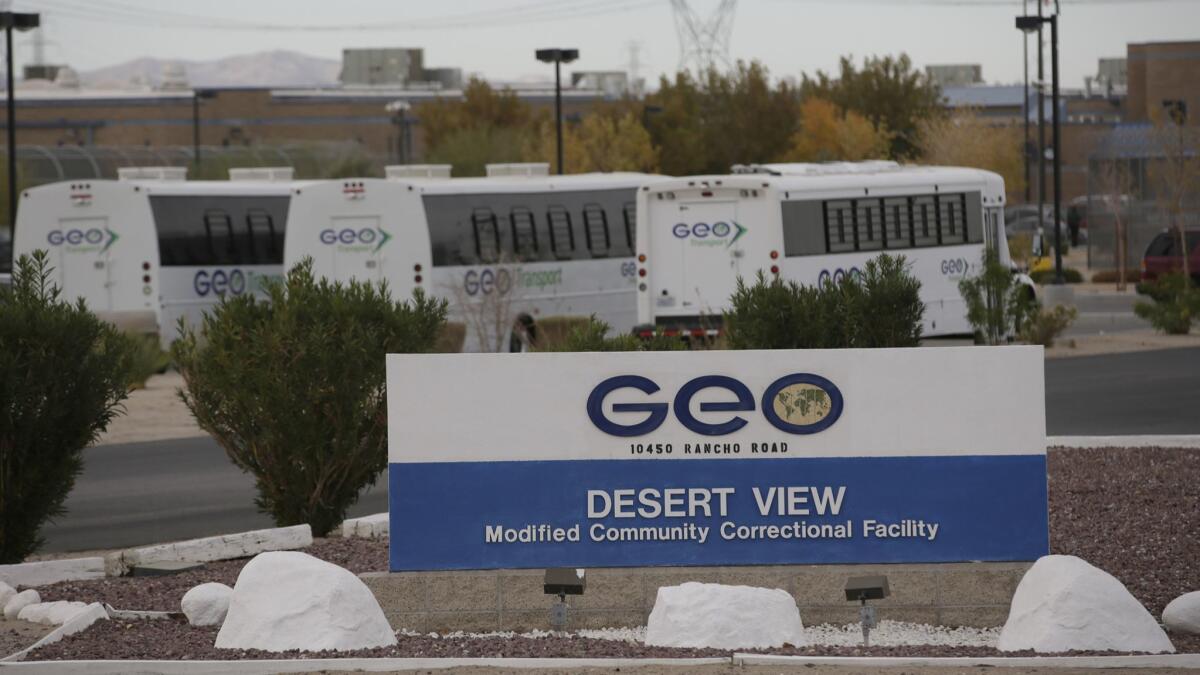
703,234
356,240
716,458
83,241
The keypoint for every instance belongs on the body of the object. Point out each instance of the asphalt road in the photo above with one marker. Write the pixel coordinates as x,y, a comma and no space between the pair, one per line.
142,493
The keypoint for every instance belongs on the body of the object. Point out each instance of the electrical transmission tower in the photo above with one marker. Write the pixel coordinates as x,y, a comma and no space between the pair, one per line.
703,42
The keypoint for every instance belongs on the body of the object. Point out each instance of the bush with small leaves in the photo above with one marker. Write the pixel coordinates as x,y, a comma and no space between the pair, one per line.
997,304
294,388
1042,327
592,336
880,308
63,375
1176,304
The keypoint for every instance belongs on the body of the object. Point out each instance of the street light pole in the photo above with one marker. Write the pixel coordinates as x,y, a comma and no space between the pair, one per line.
22,22
558,56
1041,103
1030,24
1025,104
1058,271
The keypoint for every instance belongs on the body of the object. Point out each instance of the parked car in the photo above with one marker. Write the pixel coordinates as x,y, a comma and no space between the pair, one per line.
1163,254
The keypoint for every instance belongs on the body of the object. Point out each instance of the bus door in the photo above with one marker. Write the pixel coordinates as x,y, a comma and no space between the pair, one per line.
85,267
356,249
708,238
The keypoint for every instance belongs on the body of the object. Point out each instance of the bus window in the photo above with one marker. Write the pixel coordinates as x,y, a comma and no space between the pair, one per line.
839,226
487,234
924,221
595,226
952,226
263,242
896,223
562,236
524,233
869,225
218,230
803,231
974,206
629,215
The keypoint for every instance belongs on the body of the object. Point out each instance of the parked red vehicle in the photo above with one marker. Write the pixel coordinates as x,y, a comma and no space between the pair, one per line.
1163,254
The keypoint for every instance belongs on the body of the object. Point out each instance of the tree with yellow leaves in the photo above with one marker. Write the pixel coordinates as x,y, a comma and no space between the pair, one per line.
605,140
827,134
963,138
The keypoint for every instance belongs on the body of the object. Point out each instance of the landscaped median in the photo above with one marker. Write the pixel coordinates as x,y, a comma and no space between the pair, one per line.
1132,512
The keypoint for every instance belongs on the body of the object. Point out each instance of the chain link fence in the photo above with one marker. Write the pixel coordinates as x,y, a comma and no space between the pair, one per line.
1126,180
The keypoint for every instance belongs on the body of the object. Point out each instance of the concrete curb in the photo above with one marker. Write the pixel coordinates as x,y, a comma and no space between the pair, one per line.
252,667
1144,441
374,526
1150,661
85,618
223,547
41,573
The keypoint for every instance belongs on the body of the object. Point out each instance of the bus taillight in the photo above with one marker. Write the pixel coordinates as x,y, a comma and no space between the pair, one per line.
641,257
642,272
146,266
774,255
417,268
775,269
417,278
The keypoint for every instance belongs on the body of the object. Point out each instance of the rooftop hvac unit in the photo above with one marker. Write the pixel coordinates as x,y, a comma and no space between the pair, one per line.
263,173
174,173
519,169
397,171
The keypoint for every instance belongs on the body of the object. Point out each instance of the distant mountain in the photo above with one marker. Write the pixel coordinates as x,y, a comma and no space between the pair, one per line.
264,69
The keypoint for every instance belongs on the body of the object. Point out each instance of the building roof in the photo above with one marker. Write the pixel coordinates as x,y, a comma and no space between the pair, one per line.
984,96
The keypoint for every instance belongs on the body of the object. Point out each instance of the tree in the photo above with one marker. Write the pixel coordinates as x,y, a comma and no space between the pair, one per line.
294,388
63,375
1176,174
470,150
997,305
887,91
827,134
481,107
605,140
964,138
1116,187
706,125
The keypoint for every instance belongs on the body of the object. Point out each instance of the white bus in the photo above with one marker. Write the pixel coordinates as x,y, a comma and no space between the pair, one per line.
151,247
808,223
511,248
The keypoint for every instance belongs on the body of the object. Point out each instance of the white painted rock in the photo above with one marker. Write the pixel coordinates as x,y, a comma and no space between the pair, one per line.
1182,615
51,613
1064,604
6,593
206,604
723,617
289,600
19,601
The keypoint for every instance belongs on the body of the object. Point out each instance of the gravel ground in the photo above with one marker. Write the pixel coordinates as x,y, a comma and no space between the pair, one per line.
1132,512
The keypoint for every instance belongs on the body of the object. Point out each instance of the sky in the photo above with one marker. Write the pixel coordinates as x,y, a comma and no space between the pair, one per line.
497,38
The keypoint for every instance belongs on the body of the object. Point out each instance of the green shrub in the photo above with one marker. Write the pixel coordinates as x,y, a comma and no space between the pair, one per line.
294,388
591,335
1176,304
883,308
451,338
149,358
996,303
63,374
1042,327
1042,277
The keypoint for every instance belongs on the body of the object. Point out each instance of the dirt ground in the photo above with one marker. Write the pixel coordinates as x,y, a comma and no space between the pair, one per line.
729,669
17,635
153,414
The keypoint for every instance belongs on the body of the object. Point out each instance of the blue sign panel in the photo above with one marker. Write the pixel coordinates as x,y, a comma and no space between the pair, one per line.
751,458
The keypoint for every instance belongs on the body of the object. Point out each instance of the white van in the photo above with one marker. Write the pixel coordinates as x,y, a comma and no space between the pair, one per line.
150,248
512,247
807,223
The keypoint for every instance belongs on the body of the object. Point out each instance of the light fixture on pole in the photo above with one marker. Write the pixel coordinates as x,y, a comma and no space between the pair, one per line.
1030,24
558,56
198,94
399,111
22,22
